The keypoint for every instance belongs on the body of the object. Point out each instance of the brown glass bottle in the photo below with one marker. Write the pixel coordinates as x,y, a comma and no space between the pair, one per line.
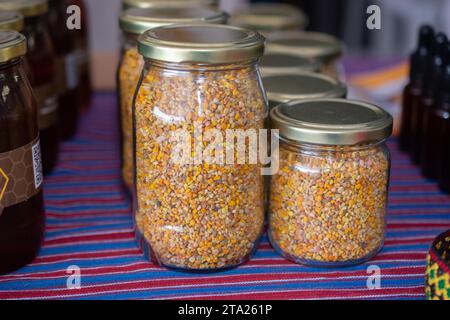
413,91
66,67
433,117
444,124
41,60
22,216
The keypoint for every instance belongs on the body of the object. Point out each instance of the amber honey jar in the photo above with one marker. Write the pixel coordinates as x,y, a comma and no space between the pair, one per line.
321,47
41,60
21,208
133,22
67,77
198,214
272,20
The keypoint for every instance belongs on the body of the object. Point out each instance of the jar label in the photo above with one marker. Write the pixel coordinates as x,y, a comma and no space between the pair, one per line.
47,104
20,174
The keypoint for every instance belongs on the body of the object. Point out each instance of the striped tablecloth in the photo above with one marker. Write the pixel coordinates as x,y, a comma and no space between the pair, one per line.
89,225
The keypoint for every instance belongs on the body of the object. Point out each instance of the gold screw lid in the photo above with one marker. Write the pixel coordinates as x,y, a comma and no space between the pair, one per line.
319,46
281,63
305,85
331,122
28,8
201,43
139,20
10,20
270,16
12,45
126,4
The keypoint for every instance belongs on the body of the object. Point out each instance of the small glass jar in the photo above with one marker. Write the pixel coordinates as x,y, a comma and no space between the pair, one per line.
328,199
320,47
281,63
133,22
203,211
272,20
67,78
127,4
22,216
41,59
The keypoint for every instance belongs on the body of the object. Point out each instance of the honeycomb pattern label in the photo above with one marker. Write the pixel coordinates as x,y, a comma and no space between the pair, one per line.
20,174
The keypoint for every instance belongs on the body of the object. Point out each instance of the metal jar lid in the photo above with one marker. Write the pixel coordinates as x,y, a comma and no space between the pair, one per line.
12,45
28,8
270,16
331,122
319,46
10,20
281,63
126,4
139,20
306,85
201,43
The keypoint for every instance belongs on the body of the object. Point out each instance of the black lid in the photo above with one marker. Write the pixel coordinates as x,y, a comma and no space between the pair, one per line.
434,65
439,60
443,88
420,56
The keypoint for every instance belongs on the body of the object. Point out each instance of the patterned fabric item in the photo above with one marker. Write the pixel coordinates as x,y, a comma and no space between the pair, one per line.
437,285
89,226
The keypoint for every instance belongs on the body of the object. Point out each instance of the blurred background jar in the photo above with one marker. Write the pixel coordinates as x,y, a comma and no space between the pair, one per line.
283,88
281,63
126,4
41,59
272,20
82,53
134,22
323,48
67,78
22,217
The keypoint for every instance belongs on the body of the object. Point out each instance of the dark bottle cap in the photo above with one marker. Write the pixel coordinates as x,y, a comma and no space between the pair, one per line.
443,93
439,60
420,56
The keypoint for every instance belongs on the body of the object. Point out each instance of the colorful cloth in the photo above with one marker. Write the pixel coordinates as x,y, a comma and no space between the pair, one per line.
89,225
437,285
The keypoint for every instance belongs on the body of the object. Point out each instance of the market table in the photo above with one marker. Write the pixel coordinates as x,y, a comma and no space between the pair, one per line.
89,225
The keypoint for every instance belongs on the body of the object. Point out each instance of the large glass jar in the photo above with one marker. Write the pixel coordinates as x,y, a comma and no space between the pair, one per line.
127,4
40,58
200,211
272,20
67,78
133,22
328,198
21,209
320,47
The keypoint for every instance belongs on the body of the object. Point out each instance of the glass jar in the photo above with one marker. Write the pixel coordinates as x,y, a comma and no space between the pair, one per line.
200,211
272,20
67,78
127,4
82,54
133,22
283,88
328,199
320,47
21,208
281,63
41,59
